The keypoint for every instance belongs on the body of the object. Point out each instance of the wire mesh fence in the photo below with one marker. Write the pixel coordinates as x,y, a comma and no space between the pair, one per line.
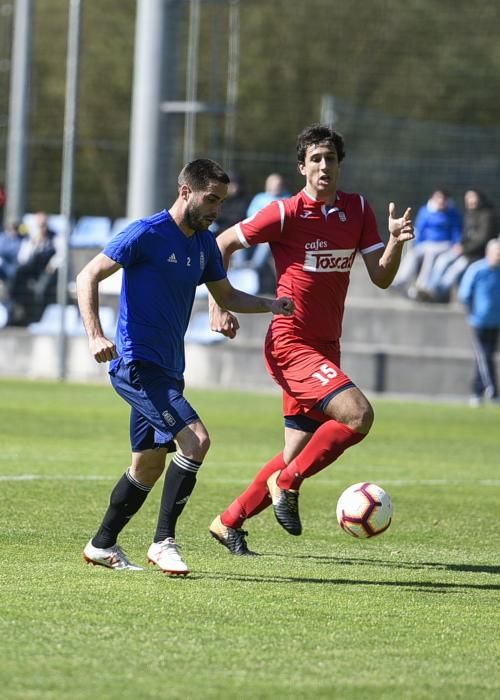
414,94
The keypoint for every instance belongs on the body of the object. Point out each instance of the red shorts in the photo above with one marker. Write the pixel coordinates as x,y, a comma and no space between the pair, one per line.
307,372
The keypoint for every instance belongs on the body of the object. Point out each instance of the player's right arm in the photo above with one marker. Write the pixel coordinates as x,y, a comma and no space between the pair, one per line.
87,290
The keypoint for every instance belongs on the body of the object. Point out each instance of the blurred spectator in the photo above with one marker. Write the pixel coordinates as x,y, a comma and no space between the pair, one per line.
35,282
10,243
438,226
259,257
274,189
235,205
479,291
479,226
3,200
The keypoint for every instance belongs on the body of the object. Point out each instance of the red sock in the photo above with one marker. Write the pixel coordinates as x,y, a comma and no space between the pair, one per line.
325,446
255,498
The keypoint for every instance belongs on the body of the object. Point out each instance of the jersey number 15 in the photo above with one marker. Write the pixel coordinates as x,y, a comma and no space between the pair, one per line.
325,374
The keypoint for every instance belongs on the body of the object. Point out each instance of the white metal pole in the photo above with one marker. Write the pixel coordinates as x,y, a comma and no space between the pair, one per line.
233,72
20,79
192,79
68,167
142,195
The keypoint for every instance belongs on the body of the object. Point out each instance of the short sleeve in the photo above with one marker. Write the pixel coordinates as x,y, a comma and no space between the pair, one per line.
263,227
124,248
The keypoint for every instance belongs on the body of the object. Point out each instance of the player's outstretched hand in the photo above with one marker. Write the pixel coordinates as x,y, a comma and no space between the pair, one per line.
223,322
102,349
401,228
283,306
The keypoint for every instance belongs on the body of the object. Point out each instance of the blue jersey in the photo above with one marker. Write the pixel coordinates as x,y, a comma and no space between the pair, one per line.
162,268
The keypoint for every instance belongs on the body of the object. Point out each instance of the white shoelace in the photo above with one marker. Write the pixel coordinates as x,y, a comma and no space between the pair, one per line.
170,546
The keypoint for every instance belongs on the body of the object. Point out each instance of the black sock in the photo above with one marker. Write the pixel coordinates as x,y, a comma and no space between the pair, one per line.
126,499
179,483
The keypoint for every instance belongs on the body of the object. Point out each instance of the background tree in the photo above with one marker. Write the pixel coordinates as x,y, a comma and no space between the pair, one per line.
415,85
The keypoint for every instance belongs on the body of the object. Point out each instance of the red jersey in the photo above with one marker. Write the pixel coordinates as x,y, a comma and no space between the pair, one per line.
314,246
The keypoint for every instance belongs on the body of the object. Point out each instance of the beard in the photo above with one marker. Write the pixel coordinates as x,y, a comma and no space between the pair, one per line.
193,218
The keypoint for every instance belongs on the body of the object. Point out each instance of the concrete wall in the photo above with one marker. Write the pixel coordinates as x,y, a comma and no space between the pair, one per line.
389,345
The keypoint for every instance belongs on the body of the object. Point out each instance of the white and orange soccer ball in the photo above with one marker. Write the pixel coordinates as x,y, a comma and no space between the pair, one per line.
364,510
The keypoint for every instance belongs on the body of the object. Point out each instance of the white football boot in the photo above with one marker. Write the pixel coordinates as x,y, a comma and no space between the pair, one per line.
112,557
165,554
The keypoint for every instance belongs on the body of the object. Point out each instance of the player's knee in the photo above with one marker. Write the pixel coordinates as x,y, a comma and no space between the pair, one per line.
200,447
193,441
366,419
147,468
362,419
204,447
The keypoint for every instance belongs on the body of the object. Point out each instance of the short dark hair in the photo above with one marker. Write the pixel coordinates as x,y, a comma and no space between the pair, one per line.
442,190
317,134
199,173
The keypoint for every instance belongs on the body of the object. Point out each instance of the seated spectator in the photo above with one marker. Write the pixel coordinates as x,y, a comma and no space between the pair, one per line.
35,281
10,243
479,291
438,226
3,201
479,226
259,257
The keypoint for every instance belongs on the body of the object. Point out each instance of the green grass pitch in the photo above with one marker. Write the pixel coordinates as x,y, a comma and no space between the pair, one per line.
410,615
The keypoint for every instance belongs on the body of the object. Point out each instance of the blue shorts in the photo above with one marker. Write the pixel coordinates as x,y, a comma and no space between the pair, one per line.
159,410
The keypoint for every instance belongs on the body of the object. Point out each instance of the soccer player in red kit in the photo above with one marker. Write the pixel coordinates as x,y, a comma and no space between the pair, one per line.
314,237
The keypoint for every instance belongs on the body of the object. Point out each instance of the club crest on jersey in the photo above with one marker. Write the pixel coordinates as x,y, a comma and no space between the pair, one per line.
329,260
342,217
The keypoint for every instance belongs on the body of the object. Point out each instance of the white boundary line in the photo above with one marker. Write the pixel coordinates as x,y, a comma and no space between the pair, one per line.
389,482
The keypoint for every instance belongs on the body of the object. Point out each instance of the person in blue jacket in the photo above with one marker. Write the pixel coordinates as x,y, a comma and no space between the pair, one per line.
438,227
479,291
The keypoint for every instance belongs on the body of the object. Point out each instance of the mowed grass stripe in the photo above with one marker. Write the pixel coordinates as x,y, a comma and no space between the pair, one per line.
408,615
392,482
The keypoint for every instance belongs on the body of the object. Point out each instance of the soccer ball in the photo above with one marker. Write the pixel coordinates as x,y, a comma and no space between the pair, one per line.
364,510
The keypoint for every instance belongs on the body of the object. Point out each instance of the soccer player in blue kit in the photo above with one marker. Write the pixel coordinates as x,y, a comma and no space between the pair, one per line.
164,258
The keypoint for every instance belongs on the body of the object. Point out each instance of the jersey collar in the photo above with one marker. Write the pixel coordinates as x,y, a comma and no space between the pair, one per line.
311,198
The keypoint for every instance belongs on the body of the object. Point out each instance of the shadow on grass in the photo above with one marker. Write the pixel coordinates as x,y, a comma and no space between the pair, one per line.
395,563
427,586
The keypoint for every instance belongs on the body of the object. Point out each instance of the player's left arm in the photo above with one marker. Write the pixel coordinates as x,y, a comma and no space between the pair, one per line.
383,263
228,297
221,320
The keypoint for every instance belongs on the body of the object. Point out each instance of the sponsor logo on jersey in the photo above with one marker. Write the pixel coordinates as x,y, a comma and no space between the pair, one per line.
329,260
168,417
316,245
172,258
305,215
